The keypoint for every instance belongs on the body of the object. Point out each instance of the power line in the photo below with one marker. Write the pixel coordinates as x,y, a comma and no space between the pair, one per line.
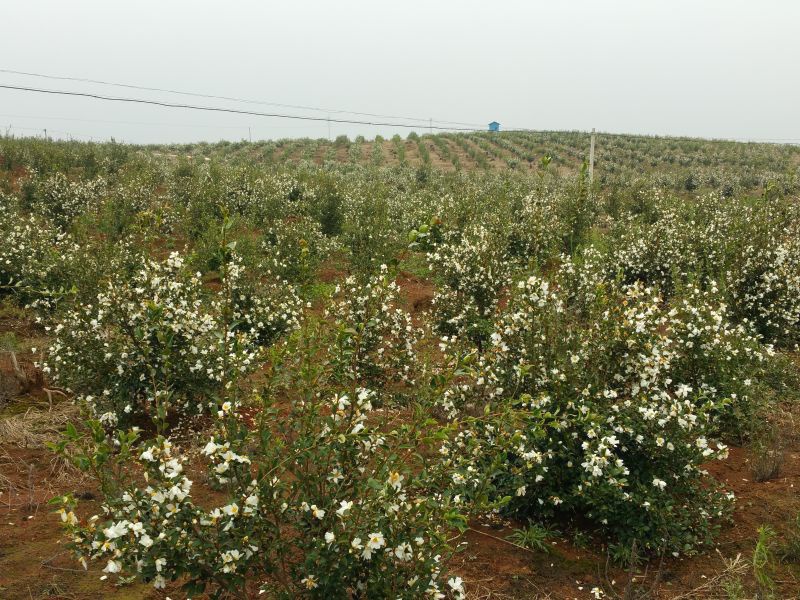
229,98
151,123
224,110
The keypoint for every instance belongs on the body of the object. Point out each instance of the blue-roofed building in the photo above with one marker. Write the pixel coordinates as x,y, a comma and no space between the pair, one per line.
494,126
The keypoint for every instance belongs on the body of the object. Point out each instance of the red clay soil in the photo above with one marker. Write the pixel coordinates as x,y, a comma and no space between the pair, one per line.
331,274
416,292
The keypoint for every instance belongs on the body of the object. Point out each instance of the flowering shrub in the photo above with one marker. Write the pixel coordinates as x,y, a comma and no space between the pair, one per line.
473,269
153,343
614,415
654,255
295,248
766,289
751,247
262,309
325,498
537,231
61,200
367,233
35,257
376,339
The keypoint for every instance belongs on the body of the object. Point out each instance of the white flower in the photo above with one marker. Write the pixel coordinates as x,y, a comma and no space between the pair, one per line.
376,541
68,517
344,506
116,530
231,509
146,540
329,537
404,552
395,480
456,584
113,566
659,483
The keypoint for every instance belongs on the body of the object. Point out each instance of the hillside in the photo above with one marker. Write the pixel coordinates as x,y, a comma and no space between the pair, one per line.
521,151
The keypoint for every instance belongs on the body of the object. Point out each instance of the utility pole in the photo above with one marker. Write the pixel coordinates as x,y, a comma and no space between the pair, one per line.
591,159
45,135
250,134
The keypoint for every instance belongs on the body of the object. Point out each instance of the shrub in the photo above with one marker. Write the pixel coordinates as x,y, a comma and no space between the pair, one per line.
766,289
376,340
152,343
61,200
536,231
294,249
35,257
473,270
614,413
325,498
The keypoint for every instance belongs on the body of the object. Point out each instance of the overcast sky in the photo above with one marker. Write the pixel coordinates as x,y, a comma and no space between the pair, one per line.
709,68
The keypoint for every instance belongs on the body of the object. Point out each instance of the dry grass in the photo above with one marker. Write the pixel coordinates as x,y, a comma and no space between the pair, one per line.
718,587
35,428
481,590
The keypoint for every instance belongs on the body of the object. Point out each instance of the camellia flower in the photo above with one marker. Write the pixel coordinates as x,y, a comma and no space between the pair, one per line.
376,541
456,584
344,506
116,530
395,480
113,566
404,552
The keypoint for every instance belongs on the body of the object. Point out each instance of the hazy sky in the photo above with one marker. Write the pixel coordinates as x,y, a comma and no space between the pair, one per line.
711,68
